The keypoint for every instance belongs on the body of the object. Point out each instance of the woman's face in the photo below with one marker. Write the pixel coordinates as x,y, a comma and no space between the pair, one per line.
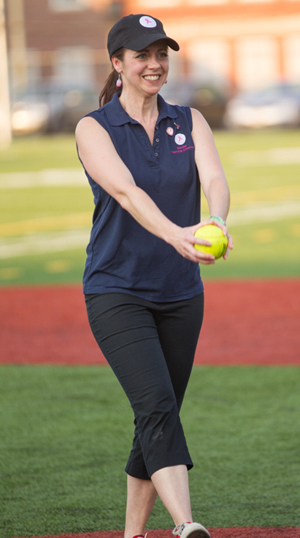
144,71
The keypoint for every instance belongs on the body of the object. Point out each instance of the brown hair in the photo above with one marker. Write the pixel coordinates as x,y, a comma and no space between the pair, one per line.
110,88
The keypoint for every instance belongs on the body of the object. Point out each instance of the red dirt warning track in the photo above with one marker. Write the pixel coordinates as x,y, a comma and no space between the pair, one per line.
246,322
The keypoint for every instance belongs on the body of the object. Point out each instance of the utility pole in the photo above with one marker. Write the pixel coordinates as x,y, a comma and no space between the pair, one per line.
5,124
17,45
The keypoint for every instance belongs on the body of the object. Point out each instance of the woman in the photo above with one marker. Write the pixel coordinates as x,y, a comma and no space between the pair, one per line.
144,294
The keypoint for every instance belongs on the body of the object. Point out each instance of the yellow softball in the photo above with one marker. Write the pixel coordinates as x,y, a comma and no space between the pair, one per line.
214,235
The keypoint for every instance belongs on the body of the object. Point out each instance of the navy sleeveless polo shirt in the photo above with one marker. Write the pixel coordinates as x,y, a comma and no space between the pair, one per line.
122,256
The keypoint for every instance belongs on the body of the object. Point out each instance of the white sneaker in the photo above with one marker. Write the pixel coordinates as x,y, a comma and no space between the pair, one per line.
191,530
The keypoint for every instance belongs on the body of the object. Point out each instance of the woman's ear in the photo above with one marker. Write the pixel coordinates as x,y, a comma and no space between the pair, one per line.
116,64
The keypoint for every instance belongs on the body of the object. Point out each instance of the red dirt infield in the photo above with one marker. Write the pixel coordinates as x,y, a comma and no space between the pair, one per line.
246,322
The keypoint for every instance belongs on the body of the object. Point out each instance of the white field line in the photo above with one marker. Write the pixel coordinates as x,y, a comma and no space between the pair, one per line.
280,156
42,242
60,177
255,213
76,176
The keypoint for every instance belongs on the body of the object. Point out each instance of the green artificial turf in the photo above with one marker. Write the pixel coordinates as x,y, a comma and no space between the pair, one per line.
66,434
32,153
44,229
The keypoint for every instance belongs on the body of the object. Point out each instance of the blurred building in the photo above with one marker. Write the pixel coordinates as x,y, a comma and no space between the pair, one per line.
248,43
232,44
63,40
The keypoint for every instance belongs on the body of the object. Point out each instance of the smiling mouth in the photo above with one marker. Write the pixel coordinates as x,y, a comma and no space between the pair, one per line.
152,77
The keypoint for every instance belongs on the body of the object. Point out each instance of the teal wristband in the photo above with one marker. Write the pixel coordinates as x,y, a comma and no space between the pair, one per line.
215,217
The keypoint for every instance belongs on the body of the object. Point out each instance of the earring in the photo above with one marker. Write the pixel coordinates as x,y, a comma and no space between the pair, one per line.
166,82
119,81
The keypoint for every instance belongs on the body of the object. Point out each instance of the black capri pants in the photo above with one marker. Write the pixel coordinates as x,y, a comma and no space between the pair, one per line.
150,347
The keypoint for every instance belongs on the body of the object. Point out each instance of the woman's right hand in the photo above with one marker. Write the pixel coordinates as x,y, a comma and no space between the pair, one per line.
184,240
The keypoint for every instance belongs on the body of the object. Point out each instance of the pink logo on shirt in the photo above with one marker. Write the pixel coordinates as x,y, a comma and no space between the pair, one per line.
183,149
180,139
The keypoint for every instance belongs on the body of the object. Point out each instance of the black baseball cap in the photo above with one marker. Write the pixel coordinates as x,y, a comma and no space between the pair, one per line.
135,32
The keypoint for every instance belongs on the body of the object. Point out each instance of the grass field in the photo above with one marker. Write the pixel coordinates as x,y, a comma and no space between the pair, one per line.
65,449
46,208
66,431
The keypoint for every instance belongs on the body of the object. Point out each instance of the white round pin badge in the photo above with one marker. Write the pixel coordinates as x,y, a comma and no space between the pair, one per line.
180,139
147,22
170,131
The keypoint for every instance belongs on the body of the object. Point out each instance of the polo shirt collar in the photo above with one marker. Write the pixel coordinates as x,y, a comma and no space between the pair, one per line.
118,116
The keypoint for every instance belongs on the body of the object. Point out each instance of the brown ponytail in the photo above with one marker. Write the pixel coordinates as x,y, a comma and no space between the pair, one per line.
110,88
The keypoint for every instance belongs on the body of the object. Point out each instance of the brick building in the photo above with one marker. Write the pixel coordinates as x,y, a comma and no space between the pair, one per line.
237,44
250,43
61,39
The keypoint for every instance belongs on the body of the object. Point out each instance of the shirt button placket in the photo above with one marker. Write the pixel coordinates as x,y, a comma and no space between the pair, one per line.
156,140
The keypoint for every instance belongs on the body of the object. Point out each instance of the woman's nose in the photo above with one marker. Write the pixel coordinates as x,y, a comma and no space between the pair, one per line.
153,62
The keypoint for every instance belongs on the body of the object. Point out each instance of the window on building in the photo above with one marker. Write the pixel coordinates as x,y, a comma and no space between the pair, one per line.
291,51
257,62
34,67
158,3
254,1
207,2
74,65
210,61
67,5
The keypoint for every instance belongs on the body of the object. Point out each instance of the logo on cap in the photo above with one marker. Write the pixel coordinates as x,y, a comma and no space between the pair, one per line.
180,139
147,22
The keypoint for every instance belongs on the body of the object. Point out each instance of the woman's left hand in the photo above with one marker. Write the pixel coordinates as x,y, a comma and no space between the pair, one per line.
225,232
